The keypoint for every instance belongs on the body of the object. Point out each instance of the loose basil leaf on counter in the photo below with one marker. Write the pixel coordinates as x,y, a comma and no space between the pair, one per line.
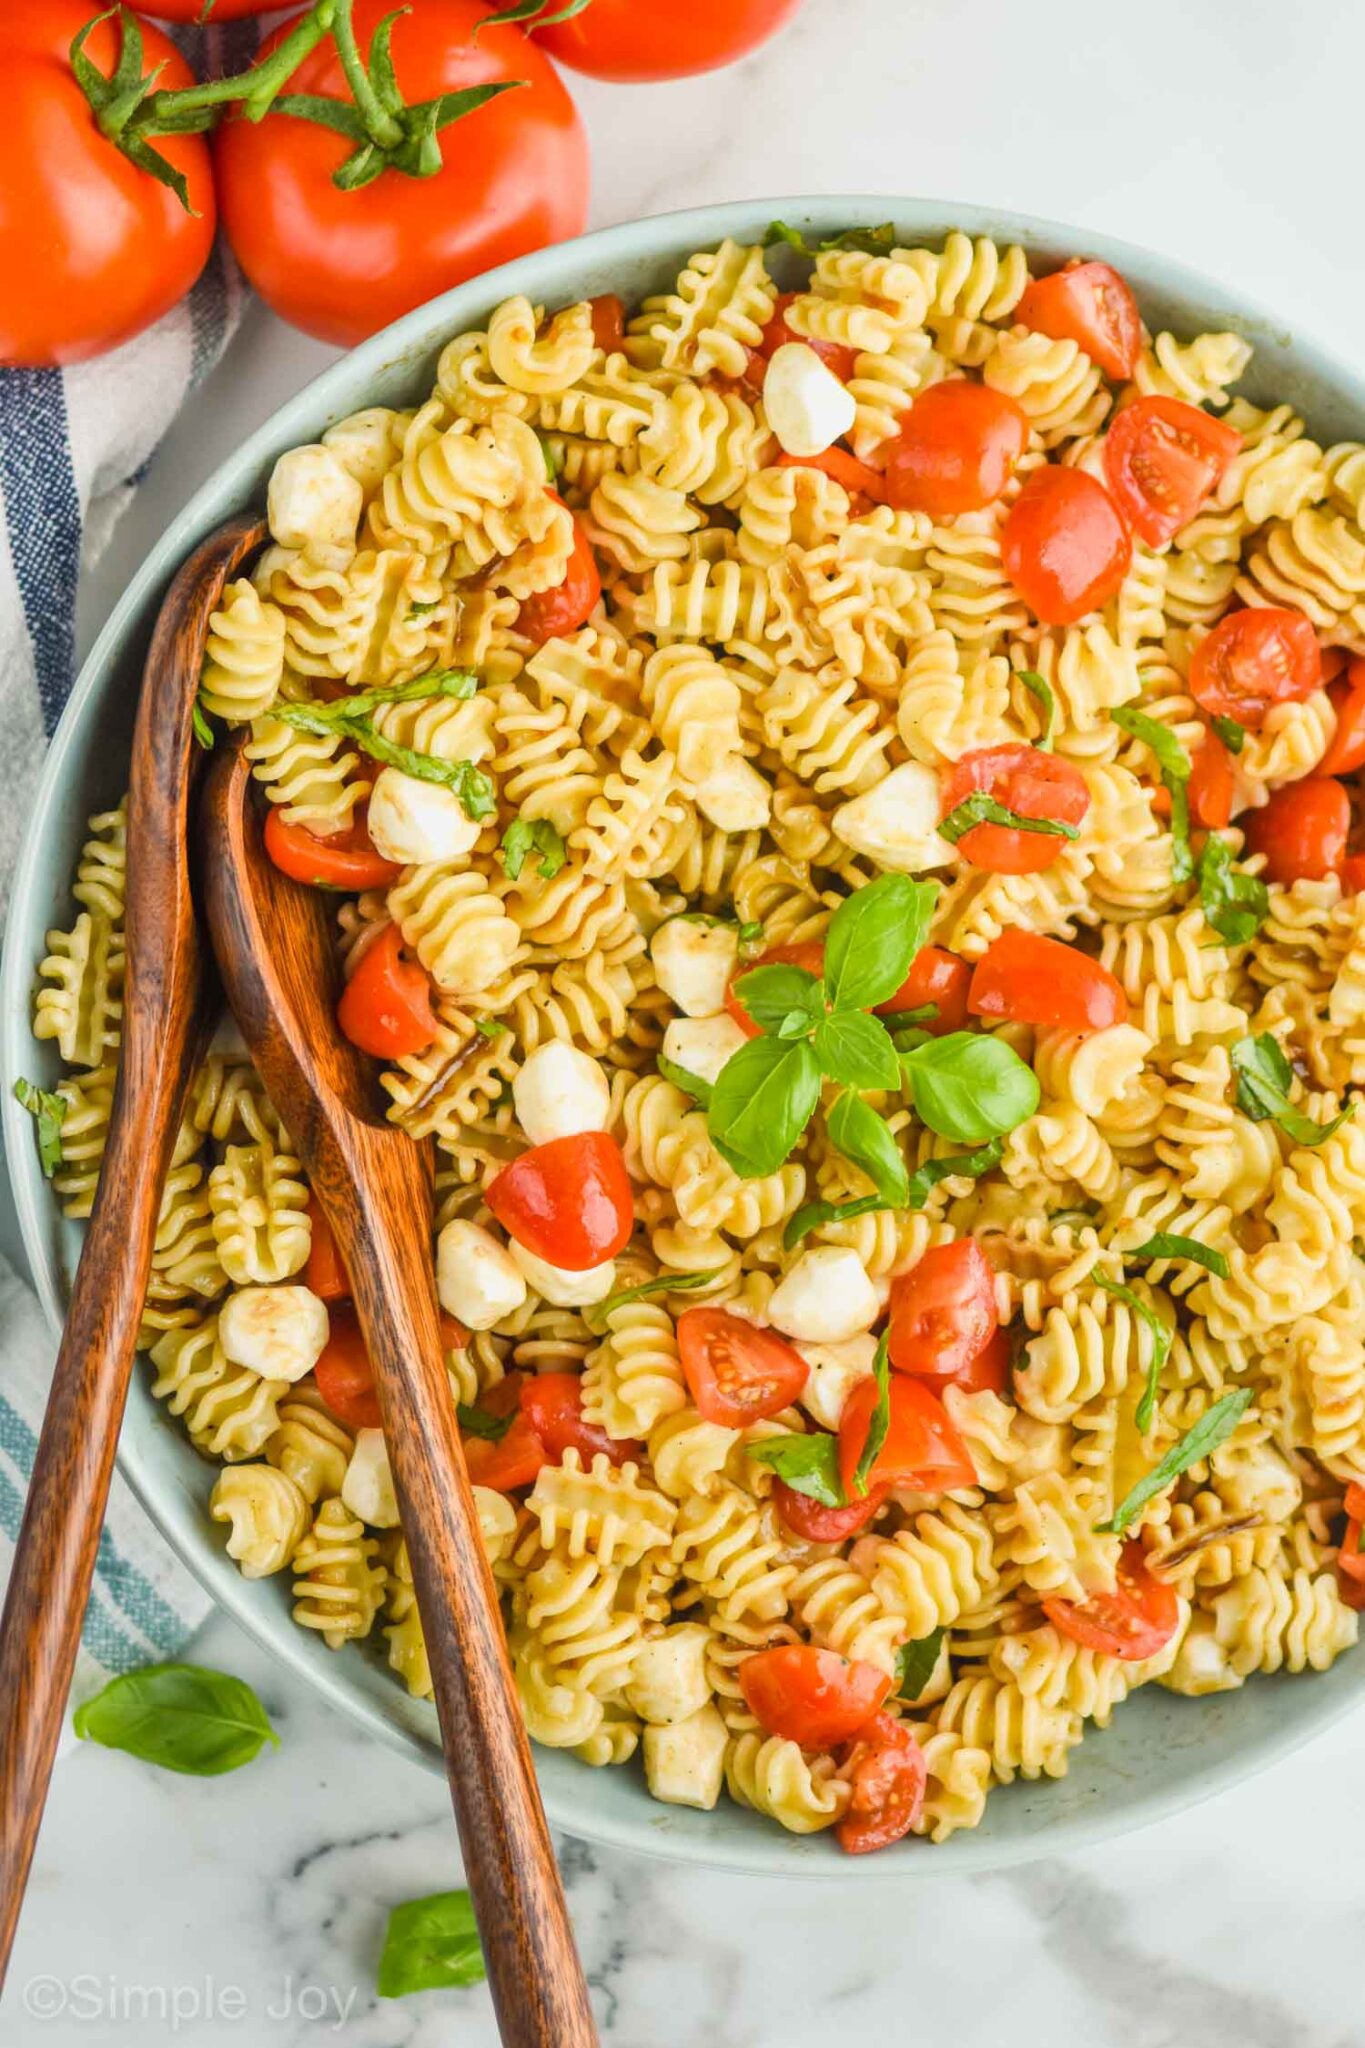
878,241
1234,904
981,808
861,1135
879,1422
813,1214
490,1429
763,1100
662,1283
691,1084
916,1663
852,1046
1168,1244
1264,1078
1213,1427
1175,765
970,1164
1161,1344
203,731
1038,686
970,1086
773,995
182,1717
807,1464
525,836
430,1945
872,938
1233,735
49,1114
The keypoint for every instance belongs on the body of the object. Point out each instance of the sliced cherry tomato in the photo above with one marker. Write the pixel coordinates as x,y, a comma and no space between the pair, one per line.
887,1774
811,1696
922,1449
834,354
1354,1502
1028,782
1351,874
511,1462
454,1335
955,450
1335,662
620,39
1253,659
324,1273
1351,1559
551,613
737,1371
1034,980
857,479
344,1375
943,1311
1346,748
810,954
568,1202
936,977
346,861
815,1523
553,1404
989,1371
385,1007
1133,1622
1091,304
1302,831
1211,785
1164,459
608,322
1063,546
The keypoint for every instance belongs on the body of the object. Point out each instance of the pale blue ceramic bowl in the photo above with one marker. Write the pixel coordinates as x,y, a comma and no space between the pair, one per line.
1162,1753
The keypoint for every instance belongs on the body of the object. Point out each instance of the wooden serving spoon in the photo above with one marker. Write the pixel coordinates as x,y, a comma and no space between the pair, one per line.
278,965
166,1011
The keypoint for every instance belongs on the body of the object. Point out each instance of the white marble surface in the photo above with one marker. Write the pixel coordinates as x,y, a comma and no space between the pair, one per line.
250,1909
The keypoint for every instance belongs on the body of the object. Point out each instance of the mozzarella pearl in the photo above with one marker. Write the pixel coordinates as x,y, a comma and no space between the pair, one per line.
835,1370
735,797
668,1680
363,444
702,1045
693,963
477,1280
561,1288
685,1760
560,1091
806,406
278,1331
896,823
367,1490
824,1297
313,500
414,822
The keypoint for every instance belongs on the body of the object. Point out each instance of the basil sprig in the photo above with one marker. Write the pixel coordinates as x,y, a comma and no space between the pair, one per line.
879,1421
969,1086
690,1083
860,1134
1039,687
812,1215
1161,1344
981,808
1175,766
662,1283
430,1944
969,1165
1168,1244
49,1114
1212,1428
1235,904
183,1717
807,1464
525,836
916,1663
1264,1078
349,717
765,1096
878,241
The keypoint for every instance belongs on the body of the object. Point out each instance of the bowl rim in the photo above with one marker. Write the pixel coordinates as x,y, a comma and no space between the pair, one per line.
767,1852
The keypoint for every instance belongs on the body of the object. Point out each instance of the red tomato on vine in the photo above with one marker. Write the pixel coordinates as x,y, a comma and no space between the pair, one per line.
635,40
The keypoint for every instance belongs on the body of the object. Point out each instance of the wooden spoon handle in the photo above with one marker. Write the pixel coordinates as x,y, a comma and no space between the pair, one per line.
533,1966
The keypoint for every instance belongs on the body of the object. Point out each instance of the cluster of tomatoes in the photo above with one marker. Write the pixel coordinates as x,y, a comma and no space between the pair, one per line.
93,248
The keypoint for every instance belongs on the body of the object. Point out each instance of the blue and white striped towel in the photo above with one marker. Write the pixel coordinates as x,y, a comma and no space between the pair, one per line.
73,444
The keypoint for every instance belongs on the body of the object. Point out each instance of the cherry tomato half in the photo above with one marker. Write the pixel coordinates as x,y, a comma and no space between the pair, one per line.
514,1459
834,354
943,1310
1063,546
1302,831
1163,459
324,1272
608,322
552,613
887,1774
1028,782
620,39
989,1371
811,1696
815,1523
347,860
922,1449
1133,1622
810,954
856,478
385,1007
737,1371
552,1403
1351,874
955,449
568,1202
1091,304
344,1375
1253,659
1351,1558
936,977
1346,748
1211,785
1034,980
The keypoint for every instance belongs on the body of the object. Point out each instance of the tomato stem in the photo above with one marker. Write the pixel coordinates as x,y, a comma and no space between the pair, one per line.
380,125
256,88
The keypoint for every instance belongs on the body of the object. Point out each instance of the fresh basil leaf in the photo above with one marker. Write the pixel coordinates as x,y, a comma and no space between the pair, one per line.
459,683
182,1717
1235,904
910,1040
862,1136
1212,1428
923,1013
430,1944
1264,1077
491,1027
662,1283
872,938
549,457
771,995
878,1423
1233,735
49,1114
471,785
1039,687
811,1215
981,808
750,932
1174,764
807,1464
1161,1344
917,1662
970,1086
878,241
490,1429
970,1164
1168,1244
852,1046
199,722
691,1084
765,1097
525,836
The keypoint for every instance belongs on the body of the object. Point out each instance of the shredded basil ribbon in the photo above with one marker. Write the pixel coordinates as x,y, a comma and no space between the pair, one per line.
982,809
1175,767
49,1114
1212,1428
1264,1078
1161,1344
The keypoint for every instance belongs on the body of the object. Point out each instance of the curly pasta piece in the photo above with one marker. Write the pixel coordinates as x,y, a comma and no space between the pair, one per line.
535,358
243,655
260,1214
603,1510
773,1776
932,1573
308,1445
1022,1736
455,925
267,1514
229,1411
714,315
1274,1620
633,1379
339,1583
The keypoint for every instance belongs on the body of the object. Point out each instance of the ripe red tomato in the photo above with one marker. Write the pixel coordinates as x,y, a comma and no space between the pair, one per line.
943,1310
1064,547
1034,980
1351,874
1133,1622
1091,304
811,1696
385,1007
815,1523
568,1202
1253,659
989,1371
936,977
1351,1558
341,264
92,249
810,954
737,1371
1028,782
1346,749
921,1449
856,478
1302,831
1211,785
209,11
514,1459
552,1403
324,1272
956,449
347,860
344,1376
835,354
1163,458
635,40
564,608
887,1773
